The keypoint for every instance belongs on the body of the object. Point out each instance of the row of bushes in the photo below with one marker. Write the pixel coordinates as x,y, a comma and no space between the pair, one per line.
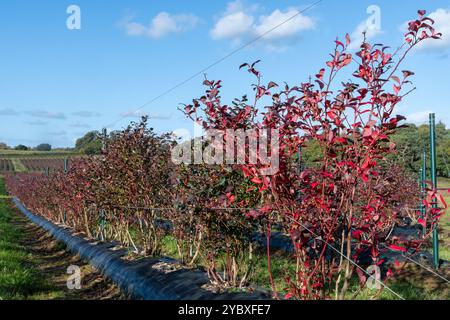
336,212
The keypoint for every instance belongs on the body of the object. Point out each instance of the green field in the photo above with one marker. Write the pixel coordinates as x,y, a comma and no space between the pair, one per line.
33,161
33,266
444,230
19,279
27,154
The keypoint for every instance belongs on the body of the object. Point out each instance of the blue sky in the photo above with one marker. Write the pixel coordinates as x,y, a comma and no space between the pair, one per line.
56,84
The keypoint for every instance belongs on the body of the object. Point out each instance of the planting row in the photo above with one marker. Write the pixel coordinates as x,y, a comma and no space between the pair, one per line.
37,164
31,164
338,213
6,165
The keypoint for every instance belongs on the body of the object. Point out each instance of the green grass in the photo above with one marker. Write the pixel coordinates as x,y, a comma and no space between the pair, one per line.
405,289
16,157
281,264
19,279
444,250
260,276
18,165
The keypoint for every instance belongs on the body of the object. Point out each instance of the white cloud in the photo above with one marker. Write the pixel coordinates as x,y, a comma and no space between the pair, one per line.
441,18
141,113
159,116
8,112
37,123
57,133
419,117
78,124
240,24
423,117
86,114
134,114
286,26
232,26
162,24
47,114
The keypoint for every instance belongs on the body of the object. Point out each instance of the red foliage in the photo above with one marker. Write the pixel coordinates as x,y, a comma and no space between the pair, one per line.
347,203
324,207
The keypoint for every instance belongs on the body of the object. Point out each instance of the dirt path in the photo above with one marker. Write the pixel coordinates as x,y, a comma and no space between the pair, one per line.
51,259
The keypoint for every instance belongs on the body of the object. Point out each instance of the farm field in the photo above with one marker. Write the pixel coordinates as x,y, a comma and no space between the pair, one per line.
34,265
6,165
33,161
287,168
33,153
415,284
124,218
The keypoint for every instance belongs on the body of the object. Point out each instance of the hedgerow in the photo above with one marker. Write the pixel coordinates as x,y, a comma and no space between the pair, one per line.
337,212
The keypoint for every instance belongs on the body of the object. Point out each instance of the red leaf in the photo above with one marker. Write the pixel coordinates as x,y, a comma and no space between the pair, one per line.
256,180
261,91
331,115
230,197
347,60
367,132
253,214
314,184
347,39
386,58
397,248
288,295
442,200
320,74
244,65
357,234
421,222
407,73
266,208
396,79
338,43
389,273
271,85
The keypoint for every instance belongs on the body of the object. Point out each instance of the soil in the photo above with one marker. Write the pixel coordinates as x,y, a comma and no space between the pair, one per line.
52,259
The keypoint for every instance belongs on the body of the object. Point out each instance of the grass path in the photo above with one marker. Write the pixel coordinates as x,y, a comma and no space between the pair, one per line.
18,165
444,225
33,266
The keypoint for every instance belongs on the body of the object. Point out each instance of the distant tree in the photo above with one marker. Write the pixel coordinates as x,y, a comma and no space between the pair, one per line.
412,141
90,143
3,146
21,147
44,147
312,154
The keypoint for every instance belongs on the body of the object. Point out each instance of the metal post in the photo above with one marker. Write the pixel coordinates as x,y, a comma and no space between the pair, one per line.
300,159
435,185
66,165
66,169
102,223
104,136
423,186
